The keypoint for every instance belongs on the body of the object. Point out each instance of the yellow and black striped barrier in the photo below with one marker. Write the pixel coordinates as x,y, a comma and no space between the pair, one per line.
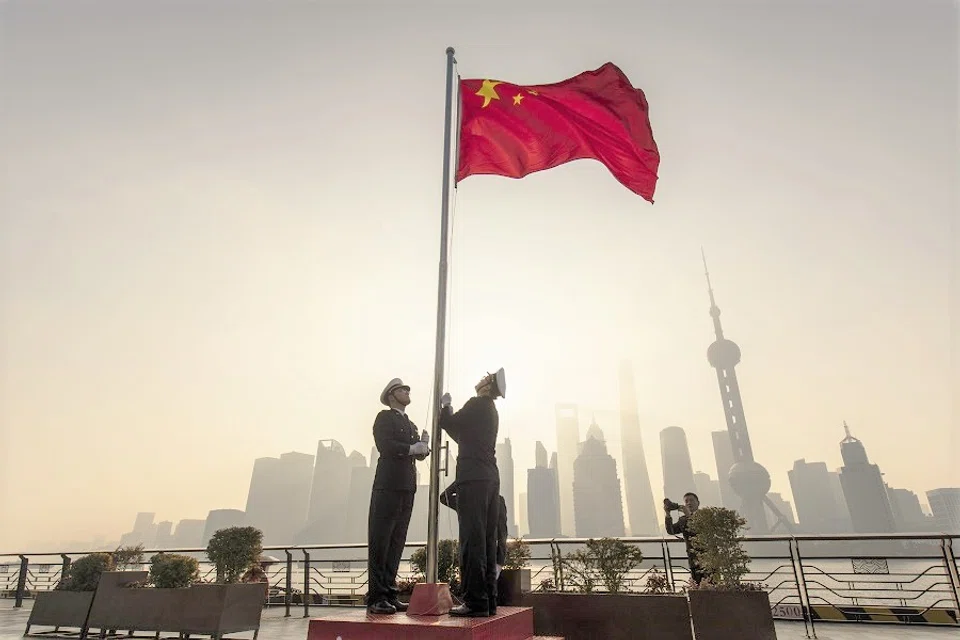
884,614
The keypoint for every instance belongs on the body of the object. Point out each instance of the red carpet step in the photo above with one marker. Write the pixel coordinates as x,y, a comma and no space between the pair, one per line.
510,623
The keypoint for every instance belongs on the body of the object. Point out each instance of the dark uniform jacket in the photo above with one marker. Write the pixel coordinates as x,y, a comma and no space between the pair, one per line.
474,428
393,433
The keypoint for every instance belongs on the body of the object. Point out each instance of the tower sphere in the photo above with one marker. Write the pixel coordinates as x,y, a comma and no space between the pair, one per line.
750,480
723,354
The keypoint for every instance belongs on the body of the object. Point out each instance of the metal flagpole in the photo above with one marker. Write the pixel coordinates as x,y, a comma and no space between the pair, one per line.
434,505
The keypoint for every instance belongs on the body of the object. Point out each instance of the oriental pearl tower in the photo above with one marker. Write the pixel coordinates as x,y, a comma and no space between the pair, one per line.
749,480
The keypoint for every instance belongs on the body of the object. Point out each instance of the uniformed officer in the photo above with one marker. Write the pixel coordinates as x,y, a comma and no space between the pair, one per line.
391,501
474,428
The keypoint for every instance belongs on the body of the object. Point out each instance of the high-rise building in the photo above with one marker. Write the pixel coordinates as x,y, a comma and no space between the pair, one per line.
543,508
641,509
505,466
707,489
568,439
331,474
278,496
189,534
749,479
945,505
864,489
815,499
598,505
222,519
723,456
907,513
677,468
164,535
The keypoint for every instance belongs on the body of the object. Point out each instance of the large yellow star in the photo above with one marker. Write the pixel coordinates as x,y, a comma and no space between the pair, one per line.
487,92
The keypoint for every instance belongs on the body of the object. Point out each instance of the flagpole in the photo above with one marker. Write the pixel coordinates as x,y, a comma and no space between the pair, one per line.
434,504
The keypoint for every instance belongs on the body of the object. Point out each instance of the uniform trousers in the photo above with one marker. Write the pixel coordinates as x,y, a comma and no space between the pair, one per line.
478,509
387,527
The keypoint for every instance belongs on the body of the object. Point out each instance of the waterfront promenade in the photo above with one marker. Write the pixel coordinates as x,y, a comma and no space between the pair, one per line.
275,626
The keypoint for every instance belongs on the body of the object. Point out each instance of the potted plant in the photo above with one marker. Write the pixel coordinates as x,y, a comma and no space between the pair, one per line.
514,577
598,604
723,605
178,602
68,605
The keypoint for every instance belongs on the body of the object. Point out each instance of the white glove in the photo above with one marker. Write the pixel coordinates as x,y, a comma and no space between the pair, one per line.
419,449
445,400
425,437
499,569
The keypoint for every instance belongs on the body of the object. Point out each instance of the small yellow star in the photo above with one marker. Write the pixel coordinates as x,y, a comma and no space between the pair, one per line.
487,92
517,98
532,92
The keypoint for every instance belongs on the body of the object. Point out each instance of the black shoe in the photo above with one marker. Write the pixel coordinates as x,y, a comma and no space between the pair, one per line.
381,608
492,612
463,611
399,606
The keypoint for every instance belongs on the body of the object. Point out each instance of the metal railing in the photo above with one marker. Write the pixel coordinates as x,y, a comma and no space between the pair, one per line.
853,578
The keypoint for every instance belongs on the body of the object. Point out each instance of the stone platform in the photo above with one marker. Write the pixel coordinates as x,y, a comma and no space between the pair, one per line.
510,623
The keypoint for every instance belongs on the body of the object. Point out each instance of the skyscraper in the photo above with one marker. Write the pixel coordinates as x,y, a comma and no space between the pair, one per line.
677,468
568,439
505,466
641,509
278,496
945,505
815,499
707,489
598,505
749,479
543,508
864,489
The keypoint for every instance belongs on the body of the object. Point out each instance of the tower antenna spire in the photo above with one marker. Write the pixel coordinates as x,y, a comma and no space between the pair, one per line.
714,309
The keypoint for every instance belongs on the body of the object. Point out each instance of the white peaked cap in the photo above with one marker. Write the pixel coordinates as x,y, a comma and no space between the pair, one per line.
392,386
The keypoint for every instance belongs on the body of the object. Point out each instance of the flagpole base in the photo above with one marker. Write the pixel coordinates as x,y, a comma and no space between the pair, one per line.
430,599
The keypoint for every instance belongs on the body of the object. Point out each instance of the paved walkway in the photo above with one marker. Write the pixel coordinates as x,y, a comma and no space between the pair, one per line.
275,626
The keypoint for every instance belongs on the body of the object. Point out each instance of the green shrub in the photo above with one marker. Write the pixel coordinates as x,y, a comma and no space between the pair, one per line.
448,561
518,554
234,550
126,558
605,561
84,573
172,571
718,544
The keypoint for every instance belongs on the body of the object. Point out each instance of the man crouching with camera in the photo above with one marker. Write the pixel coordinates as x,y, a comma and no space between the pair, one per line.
690,505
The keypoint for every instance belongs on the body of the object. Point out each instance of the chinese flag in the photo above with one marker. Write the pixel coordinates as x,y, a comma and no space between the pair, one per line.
512,130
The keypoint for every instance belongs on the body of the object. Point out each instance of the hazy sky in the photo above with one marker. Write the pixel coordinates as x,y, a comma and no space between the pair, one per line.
219,227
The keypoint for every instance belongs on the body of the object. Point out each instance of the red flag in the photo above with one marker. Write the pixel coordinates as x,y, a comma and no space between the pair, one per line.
512,130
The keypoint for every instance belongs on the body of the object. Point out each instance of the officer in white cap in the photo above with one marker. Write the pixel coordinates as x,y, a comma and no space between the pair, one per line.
474,428
391,501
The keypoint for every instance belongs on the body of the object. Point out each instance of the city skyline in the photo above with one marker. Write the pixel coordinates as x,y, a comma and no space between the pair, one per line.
206,213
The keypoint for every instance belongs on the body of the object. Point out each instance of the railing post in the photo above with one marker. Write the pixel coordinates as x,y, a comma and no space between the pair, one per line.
306,583
21,582
804,605
65,567
803,589
288,597
950,564
668,565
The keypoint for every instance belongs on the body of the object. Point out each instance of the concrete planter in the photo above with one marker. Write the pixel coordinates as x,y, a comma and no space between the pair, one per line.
208,609
587,616
745,615
511,584
60,609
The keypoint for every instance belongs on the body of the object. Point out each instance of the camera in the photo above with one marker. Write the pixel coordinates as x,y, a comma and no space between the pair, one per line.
670,504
